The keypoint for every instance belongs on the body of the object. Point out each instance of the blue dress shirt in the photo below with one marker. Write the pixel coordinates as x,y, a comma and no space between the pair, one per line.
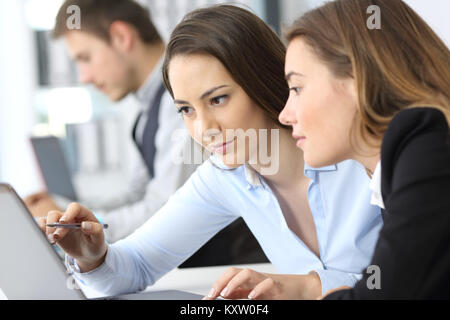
339,196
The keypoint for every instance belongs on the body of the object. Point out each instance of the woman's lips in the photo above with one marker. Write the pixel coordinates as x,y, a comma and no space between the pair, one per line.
222,148
300,140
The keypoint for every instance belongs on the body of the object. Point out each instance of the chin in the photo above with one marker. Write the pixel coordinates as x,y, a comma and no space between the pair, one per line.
117,96
317,162
233,164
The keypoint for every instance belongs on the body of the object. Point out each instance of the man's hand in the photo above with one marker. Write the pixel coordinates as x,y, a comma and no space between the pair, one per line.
40,204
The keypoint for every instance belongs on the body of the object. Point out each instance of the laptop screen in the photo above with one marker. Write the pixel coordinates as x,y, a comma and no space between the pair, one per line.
29,267
54,166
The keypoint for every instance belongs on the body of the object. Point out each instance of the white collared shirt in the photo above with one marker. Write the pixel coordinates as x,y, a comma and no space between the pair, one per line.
375,186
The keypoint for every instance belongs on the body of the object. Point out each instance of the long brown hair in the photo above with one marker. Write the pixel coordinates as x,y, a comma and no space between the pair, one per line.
402,65
251,52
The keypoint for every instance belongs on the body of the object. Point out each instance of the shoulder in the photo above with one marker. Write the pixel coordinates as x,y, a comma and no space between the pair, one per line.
412,123
415,146
214,185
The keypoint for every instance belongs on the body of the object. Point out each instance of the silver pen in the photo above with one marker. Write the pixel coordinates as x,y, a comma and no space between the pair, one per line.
70,226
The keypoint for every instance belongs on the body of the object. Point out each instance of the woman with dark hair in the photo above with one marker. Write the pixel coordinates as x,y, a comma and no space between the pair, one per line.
380,97
225,70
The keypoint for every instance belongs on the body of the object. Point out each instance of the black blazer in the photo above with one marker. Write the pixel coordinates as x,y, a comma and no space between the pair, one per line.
413,249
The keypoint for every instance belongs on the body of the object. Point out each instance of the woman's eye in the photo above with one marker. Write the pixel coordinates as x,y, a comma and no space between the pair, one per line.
218,100
186,111
297,90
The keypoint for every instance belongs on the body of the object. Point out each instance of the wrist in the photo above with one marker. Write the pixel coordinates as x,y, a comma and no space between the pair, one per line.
300,287
90,265
308,287
313,287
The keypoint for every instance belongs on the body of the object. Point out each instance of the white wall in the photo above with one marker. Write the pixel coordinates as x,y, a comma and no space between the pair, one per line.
293,9
167,14
435,13
17,87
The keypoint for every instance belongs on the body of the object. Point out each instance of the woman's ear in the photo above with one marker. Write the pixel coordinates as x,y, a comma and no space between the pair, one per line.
122,36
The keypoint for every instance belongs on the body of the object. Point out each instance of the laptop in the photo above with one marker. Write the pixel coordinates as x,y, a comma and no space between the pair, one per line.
54,167
30,268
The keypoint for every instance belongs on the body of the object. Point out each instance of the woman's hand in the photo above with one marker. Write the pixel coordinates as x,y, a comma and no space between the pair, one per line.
86,245
238,283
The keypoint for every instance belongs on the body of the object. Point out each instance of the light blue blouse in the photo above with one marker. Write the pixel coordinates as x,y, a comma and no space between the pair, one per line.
339,196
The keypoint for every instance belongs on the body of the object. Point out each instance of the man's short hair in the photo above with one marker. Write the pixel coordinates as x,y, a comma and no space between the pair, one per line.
98,15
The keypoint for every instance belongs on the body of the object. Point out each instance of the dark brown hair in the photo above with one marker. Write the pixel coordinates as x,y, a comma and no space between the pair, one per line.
402,65
98,15
251,52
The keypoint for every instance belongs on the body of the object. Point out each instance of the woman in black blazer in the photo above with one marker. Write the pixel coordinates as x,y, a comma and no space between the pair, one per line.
380,96
413,249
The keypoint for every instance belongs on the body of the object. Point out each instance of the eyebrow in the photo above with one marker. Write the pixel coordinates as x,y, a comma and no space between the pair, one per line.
293,73
211,91
80,56
203,96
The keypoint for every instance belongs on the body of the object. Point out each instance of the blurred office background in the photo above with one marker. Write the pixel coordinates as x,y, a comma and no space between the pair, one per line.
39,93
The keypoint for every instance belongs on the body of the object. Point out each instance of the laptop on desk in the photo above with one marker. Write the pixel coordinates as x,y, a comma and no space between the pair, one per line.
54,167
31,270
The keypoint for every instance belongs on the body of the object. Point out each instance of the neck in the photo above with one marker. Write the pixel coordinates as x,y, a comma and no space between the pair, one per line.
288,163
369,156
370,163
147,57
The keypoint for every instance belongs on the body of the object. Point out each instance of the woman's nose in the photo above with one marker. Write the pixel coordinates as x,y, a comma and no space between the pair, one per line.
287,116
207,128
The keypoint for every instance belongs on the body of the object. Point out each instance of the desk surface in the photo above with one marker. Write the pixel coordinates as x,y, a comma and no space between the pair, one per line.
194,280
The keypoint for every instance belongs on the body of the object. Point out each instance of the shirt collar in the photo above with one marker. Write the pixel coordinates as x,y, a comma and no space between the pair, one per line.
375,186
310,172
148,89
253,177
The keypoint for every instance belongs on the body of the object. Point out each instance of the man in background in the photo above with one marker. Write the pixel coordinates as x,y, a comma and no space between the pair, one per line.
119,50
